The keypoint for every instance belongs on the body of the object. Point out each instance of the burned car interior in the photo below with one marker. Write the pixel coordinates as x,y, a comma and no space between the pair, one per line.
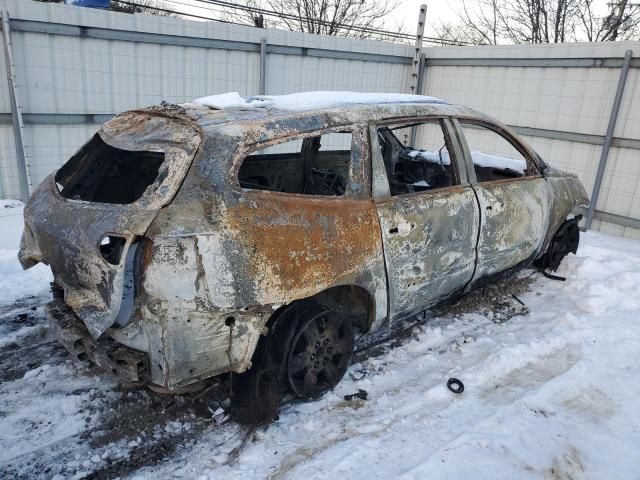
410,169
311,166
494,156
106,174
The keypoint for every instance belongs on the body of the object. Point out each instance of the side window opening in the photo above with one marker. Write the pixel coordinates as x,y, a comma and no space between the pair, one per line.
316,165
106,174
421,167
494,156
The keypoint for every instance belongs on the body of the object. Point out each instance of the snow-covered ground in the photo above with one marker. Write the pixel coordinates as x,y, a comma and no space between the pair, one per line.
14,282
552,393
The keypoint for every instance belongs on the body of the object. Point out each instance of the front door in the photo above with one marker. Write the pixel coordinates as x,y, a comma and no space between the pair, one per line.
511,194
427,210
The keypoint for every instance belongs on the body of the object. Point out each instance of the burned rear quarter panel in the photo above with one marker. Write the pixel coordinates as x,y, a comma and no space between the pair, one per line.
66,233
220,251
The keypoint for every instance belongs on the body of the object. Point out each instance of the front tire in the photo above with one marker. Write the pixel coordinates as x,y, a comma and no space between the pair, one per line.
565,241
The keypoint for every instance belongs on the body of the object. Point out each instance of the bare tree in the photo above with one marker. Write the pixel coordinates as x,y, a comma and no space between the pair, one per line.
544,21
153,7
447,34
520,21
347,18
622,22
482,20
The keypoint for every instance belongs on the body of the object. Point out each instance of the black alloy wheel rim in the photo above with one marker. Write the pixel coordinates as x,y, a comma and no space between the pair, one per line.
320,354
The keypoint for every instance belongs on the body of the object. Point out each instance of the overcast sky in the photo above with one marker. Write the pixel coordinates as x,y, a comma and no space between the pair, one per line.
437,10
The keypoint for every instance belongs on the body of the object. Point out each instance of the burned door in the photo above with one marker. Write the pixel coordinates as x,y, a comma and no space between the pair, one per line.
511,194
427,210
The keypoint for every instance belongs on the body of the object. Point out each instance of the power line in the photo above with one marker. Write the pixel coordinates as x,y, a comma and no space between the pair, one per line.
194,5
280,15
294,17
368,30
165,10
298,18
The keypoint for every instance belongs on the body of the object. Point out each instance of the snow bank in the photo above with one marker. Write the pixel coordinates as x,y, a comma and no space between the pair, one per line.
307,100
11,223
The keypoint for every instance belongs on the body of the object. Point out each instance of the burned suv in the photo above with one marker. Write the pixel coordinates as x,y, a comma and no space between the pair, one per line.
183,239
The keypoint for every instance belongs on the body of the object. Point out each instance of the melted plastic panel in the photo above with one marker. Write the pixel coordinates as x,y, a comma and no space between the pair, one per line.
106,174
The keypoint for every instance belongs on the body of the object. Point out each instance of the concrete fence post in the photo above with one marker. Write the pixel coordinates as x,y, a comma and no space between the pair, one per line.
417,53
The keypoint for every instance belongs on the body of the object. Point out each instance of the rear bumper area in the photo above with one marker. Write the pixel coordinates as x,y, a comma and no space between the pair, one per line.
126,363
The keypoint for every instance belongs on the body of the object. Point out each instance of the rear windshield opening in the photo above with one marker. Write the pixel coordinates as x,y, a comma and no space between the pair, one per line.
106,174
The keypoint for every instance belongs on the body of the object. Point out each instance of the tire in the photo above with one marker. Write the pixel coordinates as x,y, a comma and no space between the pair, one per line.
320,350
307,351
565,241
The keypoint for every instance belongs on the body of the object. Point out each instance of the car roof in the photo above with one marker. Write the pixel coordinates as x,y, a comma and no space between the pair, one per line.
263,118
237,122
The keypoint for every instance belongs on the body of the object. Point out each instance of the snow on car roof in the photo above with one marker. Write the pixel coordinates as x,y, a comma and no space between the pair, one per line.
307,100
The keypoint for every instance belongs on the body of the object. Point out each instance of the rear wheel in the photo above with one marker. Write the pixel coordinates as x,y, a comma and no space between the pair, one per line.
320,351
307,351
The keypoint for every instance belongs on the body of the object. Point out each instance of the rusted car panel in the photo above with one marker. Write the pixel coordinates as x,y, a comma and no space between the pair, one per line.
245,255
213,261
514,222
67,233
429,243
567,197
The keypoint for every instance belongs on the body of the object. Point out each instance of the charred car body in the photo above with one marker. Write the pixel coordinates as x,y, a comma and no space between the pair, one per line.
182,237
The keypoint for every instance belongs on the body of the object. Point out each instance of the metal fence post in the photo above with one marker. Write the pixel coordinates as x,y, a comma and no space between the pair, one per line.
417,54
263,66
24,171
608,137
416,66
421,69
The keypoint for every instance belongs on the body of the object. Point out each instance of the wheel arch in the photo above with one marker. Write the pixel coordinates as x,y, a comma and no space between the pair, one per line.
352,299
568,200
